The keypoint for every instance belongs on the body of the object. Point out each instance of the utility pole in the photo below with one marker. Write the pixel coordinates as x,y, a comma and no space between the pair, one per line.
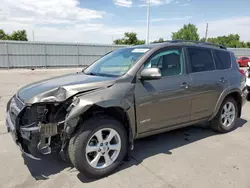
112,44
148,13
206,32
33,33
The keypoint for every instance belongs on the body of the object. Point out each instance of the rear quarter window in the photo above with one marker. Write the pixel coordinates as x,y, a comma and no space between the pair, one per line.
222,59
200,60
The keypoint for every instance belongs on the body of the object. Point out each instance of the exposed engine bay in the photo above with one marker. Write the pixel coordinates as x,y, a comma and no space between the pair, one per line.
42,125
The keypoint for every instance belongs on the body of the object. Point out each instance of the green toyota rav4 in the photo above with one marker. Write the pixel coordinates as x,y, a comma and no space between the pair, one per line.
93,117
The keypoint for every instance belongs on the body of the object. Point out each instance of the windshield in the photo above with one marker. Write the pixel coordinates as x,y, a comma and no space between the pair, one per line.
116,63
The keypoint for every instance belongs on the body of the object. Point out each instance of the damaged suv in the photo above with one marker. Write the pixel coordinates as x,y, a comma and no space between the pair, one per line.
92,117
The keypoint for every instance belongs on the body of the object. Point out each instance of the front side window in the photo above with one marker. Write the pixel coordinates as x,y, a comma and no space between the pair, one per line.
116,63
200,60
170,62
245,58
222,60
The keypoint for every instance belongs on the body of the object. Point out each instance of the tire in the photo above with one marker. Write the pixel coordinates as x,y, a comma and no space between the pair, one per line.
83,137
217,124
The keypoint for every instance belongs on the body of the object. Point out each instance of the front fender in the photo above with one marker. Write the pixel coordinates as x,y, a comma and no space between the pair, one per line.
122,98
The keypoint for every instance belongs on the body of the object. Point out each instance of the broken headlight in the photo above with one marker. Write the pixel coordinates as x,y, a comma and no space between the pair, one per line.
60,95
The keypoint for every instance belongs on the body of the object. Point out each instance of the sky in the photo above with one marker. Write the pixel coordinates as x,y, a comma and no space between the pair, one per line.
102,21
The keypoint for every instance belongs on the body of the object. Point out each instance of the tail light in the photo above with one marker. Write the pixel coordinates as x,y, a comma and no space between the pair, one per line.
242,72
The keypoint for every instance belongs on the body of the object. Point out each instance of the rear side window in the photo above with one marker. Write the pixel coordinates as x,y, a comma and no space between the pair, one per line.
234,60
222,60
200,60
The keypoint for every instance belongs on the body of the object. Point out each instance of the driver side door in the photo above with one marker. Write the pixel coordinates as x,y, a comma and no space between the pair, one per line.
165,102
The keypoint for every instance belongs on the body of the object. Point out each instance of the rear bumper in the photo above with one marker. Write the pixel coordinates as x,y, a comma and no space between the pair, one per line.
244,95
248,88
248,83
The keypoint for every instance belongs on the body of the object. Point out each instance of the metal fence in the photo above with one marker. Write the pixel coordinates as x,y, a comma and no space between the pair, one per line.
240,51
15,54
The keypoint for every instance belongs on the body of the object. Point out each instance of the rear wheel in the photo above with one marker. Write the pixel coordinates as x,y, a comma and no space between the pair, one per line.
225,120
99,147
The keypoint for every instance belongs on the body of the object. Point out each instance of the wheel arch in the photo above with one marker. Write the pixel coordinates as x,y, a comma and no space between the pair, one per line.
235,94
125,116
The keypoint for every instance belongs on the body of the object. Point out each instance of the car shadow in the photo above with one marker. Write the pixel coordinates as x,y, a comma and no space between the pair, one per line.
144,148
47,166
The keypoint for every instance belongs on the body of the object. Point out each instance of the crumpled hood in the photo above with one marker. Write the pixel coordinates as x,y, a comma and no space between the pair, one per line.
71,84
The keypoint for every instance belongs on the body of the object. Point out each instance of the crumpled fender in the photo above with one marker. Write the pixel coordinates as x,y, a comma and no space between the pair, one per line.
122,97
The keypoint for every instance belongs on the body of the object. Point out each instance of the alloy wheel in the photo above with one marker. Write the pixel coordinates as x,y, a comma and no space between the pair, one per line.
228,114
103,148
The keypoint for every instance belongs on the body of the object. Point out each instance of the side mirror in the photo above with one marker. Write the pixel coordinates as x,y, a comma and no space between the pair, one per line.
150,74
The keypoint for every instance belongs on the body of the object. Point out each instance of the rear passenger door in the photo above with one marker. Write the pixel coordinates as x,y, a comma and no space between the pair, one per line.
207,83
223,66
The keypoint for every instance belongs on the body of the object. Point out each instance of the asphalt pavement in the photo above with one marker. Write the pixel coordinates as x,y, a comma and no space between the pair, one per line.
190,157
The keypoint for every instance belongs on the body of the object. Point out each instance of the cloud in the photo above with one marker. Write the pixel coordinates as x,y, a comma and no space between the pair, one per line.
183,5
66,21
234,25
46,12
155,2
166,19
123,3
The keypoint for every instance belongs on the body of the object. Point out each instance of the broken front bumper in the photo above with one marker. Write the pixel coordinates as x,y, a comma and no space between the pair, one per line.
11,127
31,139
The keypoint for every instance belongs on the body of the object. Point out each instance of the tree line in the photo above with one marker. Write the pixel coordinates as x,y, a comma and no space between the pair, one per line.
188,32
20,35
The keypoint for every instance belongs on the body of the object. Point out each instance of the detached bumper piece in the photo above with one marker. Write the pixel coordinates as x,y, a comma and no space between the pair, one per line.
39,137
46,132
12,129
33,139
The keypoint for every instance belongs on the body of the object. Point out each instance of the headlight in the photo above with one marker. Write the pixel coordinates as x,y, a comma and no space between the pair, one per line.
61,94
75,101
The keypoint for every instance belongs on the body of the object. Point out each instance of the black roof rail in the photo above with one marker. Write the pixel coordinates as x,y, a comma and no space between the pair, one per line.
197,42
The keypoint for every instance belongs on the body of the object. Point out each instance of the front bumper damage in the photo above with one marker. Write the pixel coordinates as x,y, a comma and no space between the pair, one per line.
11,127
31,140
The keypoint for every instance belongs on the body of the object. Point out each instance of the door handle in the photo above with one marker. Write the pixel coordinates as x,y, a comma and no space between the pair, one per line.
184,85
222,80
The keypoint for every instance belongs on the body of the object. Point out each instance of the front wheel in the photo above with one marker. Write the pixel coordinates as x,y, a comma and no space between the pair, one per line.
225,120
99,147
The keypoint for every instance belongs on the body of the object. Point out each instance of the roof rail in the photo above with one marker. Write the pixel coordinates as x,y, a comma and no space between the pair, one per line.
197,42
